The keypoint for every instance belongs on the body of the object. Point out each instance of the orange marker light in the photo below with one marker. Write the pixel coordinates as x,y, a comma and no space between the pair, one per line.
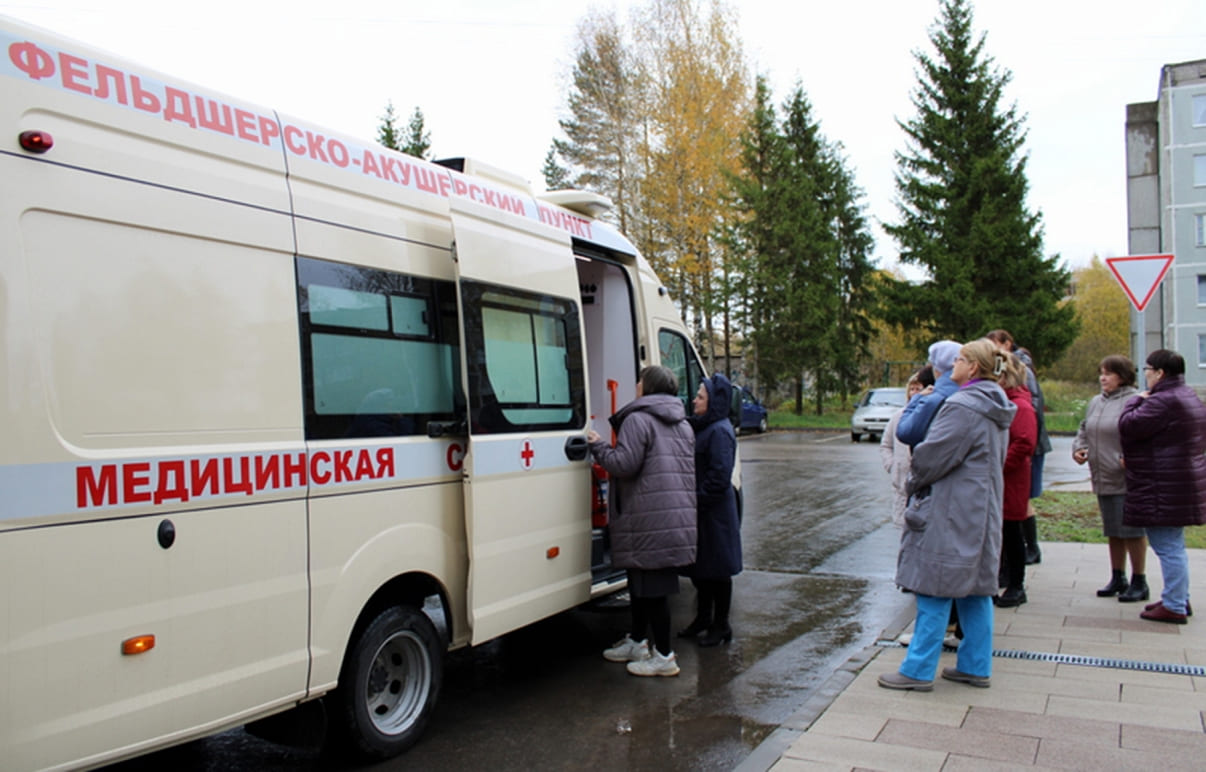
139,644
552,552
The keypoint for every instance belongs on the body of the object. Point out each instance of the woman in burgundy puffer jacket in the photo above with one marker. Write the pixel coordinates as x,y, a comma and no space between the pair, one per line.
1163,433
1023,438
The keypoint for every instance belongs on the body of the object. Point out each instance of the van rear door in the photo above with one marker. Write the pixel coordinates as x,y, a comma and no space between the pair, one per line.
526,473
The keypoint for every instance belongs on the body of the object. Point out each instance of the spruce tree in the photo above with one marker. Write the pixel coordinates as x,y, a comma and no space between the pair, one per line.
387,132
556,176
961,195
806,251
752,236
418,139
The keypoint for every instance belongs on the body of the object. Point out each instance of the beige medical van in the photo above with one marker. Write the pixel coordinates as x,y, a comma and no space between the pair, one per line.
273,400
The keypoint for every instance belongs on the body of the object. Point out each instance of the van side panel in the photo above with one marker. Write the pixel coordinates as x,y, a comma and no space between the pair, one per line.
222,605
148,334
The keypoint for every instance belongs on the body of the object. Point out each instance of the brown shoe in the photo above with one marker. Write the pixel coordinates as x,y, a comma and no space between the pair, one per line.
1161,614
952,674
901,681
1150,606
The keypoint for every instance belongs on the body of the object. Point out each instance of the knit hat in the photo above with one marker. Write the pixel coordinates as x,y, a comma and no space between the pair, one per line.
942,355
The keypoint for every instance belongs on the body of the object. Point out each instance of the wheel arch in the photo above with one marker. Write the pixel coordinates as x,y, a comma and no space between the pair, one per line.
410,589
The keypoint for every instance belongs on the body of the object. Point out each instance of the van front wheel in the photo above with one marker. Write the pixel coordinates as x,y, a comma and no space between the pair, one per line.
389,683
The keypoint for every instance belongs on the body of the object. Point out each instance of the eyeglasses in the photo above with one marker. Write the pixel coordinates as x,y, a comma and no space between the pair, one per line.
1149,367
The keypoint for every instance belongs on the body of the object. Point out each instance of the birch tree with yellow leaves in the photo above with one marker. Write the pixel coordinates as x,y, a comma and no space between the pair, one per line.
699,97
654,122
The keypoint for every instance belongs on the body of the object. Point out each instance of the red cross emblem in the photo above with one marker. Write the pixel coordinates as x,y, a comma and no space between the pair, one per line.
527,454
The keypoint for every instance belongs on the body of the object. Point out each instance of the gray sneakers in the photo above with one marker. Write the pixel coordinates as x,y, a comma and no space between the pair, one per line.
655,665
627,650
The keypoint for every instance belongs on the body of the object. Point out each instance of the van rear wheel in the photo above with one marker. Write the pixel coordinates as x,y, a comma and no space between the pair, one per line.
389,683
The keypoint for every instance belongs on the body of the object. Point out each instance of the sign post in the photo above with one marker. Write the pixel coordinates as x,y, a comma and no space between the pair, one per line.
1139,276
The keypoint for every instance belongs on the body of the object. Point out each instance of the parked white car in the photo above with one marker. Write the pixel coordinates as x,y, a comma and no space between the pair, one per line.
873,411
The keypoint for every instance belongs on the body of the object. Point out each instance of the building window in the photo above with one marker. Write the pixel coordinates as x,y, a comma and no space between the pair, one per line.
1201,290
1201,350
1199,170
1199,110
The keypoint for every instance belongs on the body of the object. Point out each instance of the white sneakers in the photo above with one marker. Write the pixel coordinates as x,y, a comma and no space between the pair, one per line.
950,641
641,658
627,650
655,665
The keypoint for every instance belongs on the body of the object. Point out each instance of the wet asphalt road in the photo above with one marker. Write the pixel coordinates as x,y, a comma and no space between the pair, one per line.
819,554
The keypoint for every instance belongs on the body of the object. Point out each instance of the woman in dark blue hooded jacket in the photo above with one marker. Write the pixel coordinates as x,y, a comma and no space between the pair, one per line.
718,549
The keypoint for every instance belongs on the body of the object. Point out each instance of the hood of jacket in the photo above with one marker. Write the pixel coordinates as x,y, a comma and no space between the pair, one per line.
988,399
720,399
1018,392
666,408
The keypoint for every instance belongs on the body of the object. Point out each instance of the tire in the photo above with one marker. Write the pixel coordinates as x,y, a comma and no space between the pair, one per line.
389,684
854,436
762,425
875,437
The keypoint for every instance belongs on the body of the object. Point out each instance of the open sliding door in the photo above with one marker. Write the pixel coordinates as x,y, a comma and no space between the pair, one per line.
526,474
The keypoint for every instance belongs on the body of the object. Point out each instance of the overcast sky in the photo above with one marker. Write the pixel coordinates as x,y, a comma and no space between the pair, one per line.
490,76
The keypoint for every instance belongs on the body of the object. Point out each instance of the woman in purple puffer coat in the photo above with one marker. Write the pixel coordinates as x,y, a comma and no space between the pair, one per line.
652,513
1163,433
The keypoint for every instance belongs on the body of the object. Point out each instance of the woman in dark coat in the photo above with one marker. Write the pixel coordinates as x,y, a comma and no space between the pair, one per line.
652,513
718,550
1163,433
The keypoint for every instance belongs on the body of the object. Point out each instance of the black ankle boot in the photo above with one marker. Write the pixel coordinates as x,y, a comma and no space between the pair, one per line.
717,634
1117,584
1137,590
697,626
1014,596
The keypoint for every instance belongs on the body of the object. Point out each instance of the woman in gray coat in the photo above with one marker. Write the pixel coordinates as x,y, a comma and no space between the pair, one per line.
1098,443
951,546
651,511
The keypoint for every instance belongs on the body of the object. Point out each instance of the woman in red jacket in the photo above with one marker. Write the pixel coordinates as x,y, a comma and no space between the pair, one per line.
1023,435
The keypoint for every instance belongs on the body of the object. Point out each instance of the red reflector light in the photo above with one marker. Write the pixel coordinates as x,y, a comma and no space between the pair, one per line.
36,141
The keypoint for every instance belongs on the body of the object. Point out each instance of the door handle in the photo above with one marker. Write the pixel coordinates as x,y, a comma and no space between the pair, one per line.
576,448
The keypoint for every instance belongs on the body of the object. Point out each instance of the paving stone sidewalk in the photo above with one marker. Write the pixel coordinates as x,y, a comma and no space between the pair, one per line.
1079,682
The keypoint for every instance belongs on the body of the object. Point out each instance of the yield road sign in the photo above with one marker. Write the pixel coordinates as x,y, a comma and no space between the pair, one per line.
1139,275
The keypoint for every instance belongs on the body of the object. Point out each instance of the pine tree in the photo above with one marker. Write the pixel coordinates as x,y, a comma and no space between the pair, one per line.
604,129
418,139
387,132
961,195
